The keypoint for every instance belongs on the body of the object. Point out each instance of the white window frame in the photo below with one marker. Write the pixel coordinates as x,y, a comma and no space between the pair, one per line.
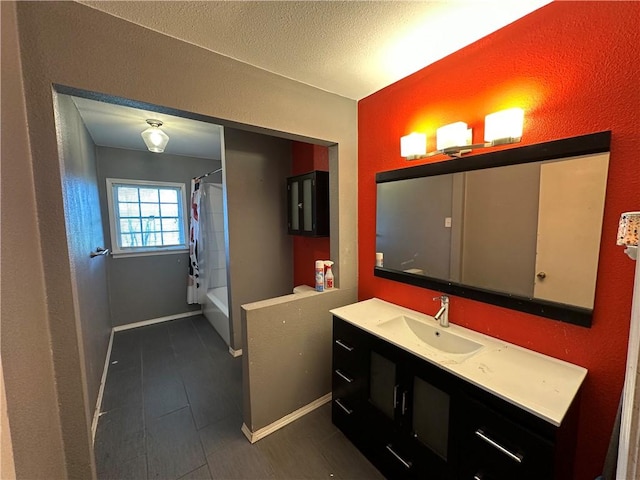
116,249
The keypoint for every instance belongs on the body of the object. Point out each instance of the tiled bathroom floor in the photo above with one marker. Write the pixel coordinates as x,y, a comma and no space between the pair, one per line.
172,409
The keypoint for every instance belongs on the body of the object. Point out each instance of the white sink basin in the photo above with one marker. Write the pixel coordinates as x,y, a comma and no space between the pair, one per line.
436,337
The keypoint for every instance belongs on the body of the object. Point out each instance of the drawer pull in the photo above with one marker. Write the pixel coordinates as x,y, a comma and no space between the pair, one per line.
398,457
347,410
344,345
343,376
516,457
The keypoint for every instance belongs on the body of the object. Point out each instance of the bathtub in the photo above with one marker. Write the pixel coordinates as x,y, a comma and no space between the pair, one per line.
216,310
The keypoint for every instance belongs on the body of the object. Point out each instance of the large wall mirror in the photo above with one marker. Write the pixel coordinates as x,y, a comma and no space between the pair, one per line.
519,228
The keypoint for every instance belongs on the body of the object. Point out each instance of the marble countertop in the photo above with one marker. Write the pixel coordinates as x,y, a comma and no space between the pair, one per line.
541,385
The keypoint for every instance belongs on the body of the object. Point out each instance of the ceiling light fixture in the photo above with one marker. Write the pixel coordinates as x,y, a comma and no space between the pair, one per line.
154,138
500,128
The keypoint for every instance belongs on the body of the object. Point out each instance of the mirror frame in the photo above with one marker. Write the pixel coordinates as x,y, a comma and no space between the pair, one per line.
564,148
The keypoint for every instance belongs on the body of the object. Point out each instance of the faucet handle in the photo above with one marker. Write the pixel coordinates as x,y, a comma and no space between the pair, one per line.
442,298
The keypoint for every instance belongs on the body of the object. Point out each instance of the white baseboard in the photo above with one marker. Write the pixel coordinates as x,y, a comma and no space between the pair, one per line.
235,353
153,321
253,437
103,381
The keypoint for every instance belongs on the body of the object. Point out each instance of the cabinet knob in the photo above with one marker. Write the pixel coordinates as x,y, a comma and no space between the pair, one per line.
300,206
541,275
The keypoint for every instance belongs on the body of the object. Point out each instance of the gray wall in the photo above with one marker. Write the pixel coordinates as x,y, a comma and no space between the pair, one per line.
84,233
287,363
71,44
260,251
34,420
143,288
500,231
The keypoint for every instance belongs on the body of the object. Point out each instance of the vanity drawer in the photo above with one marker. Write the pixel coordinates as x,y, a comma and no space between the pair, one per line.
493,446
348,385
350,367
347,337
347,418
397,458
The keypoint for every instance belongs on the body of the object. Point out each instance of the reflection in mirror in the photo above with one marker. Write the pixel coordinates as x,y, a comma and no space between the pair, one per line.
530,231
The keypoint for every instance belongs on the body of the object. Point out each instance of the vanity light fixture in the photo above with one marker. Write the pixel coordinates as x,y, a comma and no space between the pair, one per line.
154,138
628,233
453,135
504,127
413,146
501,128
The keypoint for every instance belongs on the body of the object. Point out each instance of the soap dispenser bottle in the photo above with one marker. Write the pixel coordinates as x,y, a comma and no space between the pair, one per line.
328,276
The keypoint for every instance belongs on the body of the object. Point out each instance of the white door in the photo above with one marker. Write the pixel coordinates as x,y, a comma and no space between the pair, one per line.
569,228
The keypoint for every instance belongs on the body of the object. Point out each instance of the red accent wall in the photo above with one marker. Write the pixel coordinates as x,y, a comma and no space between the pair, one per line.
573,67
306,250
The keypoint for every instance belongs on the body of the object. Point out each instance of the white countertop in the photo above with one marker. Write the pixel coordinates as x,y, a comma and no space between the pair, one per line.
541,385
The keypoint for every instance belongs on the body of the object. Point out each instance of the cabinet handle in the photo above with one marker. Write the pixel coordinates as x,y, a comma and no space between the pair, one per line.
343,376
344,345
398,457
395,396
404,402
477,476
339,403
513,456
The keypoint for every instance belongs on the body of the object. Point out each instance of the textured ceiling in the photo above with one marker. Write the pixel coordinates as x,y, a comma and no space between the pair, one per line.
350,48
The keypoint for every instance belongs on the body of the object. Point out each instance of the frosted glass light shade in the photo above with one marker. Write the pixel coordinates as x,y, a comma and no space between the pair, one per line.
504,126
453,135
413,145
154,138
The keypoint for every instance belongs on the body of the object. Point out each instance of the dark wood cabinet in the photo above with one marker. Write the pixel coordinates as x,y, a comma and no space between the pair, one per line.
413,419
308,204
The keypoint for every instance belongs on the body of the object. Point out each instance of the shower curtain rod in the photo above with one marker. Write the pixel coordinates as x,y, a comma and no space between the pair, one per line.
207,174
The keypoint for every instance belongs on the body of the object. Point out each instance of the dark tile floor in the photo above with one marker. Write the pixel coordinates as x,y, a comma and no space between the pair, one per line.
172,409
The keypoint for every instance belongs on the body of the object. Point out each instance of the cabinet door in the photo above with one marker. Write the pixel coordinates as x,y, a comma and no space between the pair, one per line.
427,420
308,204
308,219
383,386
411,416
430,417
295,204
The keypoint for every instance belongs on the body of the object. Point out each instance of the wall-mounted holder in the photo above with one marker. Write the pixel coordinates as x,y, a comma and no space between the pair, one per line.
100,251
628,233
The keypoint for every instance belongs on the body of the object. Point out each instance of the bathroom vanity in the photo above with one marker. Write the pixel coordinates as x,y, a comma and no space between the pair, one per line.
423,401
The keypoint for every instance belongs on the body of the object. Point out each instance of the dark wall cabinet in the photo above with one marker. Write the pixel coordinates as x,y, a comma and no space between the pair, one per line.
415,420
308,204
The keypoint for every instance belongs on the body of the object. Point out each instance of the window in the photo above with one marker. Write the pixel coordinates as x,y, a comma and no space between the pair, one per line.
146,217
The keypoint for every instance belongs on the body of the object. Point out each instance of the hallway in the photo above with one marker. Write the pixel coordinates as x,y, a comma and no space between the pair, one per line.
172,409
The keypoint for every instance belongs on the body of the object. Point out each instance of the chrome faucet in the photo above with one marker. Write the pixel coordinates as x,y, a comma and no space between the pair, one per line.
443,314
